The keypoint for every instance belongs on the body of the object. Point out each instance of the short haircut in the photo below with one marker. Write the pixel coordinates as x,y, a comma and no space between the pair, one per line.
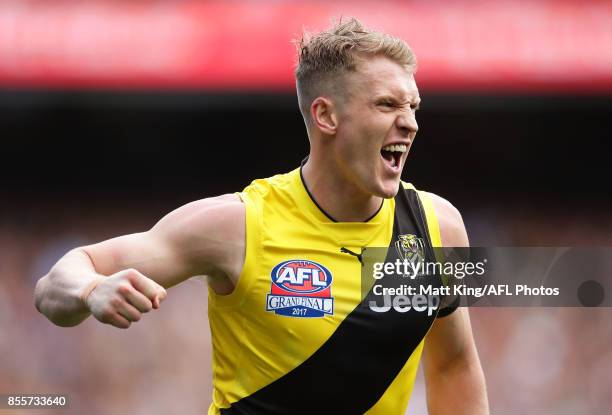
325,55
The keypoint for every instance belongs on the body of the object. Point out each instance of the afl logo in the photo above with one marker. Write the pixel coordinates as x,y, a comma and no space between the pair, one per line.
301,277
300,288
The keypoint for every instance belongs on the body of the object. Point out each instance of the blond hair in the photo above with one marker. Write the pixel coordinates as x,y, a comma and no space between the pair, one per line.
325,55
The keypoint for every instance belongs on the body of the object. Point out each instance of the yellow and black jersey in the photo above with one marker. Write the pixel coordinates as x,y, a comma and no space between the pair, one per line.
292,337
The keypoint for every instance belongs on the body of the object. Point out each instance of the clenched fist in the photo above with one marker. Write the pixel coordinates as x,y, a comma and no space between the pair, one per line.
121,298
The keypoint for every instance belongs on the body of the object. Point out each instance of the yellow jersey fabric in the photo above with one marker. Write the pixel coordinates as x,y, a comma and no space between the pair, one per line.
292,338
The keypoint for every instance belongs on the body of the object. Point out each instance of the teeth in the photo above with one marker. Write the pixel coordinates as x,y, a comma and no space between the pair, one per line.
401,148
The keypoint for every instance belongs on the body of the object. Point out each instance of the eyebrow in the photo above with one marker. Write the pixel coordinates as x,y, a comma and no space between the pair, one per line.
392,97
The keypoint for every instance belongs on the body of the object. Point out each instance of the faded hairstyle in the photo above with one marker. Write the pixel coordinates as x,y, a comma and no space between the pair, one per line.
325,55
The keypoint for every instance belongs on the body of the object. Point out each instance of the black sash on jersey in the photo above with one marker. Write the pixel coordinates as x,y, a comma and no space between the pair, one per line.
352,370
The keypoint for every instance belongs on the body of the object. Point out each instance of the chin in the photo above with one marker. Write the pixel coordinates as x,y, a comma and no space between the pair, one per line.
388,190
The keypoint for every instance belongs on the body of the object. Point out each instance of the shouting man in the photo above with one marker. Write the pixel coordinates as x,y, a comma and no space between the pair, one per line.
290,331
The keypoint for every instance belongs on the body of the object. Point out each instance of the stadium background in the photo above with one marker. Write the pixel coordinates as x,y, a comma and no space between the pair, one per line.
112,114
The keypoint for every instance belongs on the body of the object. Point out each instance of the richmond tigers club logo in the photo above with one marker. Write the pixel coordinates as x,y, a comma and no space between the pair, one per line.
410,248
300,288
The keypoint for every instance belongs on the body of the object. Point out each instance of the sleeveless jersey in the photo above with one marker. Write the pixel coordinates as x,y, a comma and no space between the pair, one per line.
293,337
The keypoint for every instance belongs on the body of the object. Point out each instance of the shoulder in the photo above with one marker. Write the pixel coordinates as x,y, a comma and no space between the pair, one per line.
204,222
452,228
205,212
260,188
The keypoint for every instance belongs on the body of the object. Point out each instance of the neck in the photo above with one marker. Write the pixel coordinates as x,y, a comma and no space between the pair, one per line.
340,199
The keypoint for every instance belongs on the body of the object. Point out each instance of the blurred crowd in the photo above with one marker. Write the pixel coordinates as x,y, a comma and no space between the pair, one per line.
537,360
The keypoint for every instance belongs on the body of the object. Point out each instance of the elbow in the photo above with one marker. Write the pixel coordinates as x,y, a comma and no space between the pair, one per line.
39,294
41,300
43,304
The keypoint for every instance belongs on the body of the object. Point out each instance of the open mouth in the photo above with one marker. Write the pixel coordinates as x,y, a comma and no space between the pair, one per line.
392,155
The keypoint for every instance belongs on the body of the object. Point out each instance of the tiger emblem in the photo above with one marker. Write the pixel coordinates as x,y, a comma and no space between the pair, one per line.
410,248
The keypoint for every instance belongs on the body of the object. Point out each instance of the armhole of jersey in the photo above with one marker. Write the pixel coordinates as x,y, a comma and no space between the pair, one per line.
433,227
252,250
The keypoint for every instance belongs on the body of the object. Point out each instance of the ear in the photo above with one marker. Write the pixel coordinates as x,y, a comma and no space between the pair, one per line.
323,114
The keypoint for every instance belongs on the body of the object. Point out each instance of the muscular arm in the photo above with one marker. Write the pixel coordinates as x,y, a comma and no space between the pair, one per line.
453,374
129,273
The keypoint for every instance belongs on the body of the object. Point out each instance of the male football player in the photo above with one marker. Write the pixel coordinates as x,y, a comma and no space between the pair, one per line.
289,331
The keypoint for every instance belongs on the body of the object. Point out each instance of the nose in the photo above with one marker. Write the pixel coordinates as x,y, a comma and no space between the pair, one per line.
406,123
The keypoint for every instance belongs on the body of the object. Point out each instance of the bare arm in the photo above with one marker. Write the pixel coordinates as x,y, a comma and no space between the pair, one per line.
453,374
119,279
